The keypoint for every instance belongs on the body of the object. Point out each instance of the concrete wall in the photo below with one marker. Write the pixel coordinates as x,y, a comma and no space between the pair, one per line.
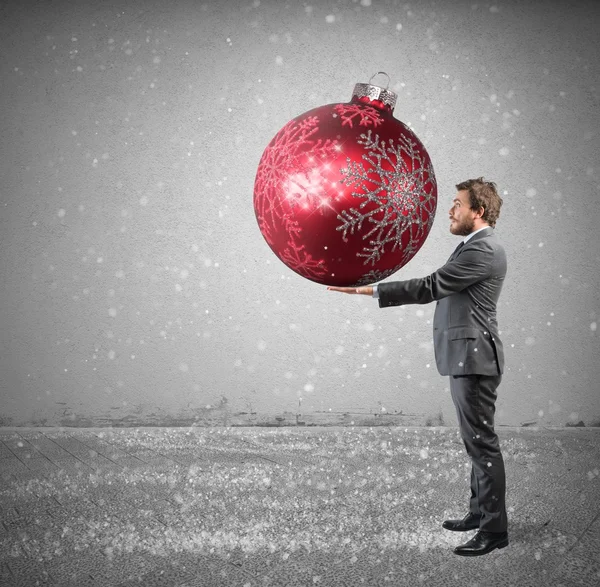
135,286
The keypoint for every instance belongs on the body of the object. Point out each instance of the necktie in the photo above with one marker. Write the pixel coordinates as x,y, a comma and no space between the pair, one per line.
457,249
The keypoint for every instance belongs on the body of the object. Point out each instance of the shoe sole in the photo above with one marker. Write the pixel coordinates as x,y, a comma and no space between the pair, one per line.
460,529
500,545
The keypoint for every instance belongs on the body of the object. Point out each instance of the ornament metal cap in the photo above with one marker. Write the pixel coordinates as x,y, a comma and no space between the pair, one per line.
376,93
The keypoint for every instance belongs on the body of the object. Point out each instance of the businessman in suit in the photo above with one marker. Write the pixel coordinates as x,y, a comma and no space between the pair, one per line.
468,349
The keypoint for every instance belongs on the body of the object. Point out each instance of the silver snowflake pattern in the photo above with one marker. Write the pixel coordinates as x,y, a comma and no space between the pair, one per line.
273,189
399,191
296,257
367,115
374,276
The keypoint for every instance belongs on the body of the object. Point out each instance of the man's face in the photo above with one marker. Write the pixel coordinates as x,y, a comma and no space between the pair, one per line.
462,218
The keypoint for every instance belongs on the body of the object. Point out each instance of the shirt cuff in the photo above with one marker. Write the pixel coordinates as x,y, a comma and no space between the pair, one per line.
375,292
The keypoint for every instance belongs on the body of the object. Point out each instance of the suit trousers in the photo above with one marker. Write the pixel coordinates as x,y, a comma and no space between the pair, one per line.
474,397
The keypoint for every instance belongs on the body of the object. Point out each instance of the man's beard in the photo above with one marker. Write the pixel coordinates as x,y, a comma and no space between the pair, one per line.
463,228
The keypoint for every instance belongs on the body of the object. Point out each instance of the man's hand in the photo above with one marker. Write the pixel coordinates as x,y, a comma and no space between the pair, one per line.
365,290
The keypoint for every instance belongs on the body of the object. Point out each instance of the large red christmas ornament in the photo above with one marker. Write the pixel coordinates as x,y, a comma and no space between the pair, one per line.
345,194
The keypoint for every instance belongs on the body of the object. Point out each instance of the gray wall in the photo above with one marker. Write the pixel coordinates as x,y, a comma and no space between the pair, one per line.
135,286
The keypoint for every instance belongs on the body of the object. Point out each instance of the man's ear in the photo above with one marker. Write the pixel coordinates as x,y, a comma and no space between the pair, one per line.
480,212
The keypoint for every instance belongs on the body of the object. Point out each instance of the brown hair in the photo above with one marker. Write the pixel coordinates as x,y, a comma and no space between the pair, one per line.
483,194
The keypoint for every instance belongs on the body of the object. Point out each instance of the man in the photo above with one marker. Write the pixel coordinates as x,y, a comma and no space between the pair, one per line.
468,350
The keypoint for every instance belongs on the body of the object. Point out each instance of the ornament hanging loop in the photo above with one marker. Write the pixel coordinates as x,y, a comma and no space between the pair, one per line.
382,73
376,95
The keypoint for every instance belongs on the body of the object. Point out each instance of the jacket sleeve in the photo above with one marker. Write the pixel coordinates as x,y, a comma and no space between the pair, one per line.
471,266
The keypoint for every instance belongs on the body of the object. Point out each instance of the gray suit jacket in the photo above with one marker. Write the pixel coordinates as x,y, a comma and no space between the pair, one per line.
467,288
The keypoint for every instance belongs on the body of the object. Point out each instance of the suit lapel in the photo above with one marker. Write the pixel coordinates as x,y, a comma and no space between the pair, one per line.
481,234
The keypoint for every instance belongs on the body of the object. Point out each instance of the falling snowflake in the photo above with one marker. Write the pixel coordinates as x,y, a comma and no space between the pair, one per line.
393,183
367,115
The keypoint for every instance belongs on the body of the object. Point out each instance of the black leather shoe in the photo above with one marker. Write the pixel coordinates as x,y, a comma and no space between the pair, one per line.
482,543
469,522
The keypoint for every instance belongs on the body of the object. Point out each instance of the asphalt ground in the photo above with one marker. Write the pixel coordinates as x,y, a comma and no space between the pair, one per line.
289,506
